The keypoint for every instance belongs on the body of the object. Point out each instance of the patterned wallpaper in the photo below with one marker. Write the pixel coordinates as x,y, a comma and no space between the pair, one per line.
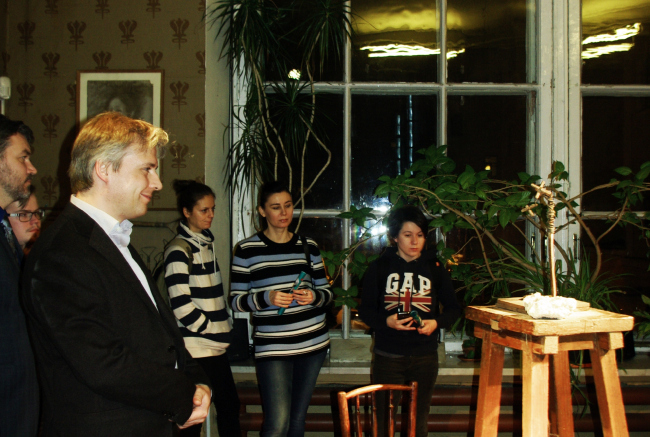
47,41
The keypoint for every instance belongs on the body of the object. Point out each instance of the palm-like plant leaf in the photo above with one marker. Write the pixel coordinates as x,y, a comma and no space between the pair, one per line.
580,284
249,29
327,27
292,108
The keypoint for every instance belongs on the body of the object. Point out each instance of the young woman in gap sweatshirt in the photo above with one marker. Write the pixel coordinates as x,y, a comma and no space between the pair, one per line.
407,278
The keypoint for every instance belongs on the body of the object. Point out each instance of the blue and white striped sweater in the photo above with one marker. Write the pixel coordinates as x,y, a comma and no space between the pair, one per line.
197,297
260,266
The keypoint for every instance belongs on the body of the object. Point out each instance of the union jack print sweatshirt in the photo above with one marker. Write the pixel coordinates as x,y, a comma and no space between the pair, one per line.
392,284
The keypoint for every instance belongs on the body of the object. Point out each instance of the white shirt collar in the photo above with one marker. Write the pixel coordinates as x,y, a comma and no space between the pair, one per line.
103,219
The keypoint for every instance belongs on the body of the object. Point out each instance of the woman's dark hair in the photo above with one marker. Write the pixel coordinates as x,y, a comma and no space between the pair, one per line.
404,214
267,190
188,193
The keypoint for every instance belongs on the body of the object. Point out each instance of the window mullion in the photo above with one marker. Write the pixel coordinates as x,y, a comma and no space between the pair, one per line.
574,158
347,174
557,149
441,7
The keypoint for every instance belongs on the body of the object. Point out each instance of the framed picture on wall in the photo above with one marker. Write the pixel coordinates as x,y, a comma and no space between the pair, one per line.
136,93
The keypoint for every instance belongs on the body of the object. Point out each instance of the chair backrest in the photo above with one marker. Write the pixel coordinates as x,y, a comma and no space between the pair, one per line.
352,397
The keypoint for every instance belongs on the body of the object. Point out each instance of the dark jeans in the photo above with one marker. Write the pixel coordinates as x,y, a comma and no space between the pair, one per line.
224,397
422,369
286,386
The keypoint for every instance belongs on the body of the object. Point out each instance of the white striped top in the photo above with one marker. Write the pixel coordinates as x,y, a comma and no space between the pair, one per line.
196,296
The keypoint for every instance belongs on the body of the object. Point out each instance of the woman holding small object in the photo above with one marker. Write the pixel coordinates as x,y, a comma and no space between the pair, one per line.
279,277
400,301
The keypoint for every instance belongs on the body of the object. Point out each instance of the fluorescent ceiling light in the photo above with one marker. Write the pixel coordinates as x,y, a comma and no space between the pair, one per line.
595,52
619,34
390,50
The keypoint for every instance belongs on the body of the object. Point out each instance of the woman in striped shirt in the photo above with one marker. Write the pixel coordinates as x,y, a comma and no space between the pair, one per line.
291,336
196,296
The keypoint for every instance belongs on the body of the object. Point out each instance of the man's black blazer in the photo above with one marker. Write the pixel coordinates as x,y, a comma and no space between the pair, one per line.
106,356
18,385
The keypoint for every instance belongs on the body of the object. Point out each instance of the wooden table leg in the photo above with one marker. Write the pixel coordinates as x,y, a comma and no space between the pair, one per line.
561,409
534,376
608,390
488,403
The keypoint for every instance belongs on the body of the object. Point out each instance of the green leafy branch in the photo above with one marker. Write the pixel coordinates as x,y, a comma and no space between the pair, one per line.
471,202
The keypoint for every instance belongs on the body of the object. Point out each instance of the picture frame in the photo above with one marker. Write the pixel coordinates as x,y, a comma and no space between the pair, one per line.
136,93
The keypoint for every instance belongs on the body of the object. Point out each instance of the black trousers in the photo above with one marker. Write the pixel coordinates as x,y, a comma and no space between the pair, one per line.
402,370
224,397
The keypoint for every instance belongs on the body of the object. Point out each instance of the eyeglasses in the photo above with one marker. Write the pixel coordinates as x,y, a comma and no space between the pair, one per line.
26,216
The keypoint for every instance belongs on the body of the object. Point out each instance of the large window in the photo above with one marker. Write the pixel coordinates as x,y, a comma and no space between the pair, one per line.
615,94
513,84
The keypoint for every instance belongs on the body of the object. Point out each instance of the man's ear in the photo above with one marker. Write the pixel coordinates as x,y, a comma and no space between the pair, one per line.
102,170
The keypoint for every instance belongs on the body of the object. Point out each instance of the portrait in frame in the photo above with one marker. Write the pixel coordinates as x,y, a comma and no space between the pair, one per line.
135,93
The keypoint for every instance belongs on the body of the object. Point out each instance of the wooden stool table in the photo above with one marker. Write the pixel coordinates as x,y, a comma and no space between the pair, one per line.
545,346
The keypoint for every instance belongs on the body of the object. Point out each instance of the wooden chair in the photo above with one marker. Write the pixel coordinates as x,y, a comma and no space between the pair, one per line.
345,398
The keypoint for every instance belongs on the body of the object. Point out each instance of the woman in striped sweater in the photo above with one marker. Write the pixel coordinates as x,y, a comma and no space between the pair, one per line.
196,295
291,336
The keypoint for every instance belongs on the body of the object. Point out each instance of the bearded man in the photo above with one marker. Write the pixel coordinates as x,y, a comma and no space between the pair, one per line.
18,385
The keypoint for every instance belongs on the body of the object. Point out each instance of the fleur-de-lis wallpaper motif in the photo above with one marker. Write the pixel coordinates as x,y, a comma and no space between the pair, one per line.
153,59
76,29
102,59
179,26
179,89
26,30
87,37
51,7
178,152
201,57
153,6
102,7
50,60
127,27
51,188
25,91
200,119
72,90
50,121
6,57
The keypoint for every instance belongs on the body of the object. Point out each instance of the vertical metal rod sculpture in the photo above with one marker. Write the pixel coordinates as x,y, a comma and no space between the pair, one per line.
546,197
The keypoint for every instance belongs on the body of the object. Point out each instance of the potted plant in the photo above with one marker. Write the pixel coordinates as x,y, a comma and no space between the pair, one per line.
471,203
279,49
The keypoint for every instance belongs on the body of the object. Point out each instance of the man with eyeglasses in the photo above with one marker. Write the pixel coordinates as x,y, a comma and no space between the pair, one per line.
19,404
25,219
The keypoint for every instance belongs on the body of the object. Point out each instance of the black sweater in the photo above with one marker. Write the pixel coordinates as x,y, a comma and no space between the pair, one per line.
385,286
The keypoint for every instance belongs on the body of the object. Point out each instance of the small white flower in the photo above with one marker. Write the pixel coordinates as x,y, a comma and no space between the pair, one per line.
294,74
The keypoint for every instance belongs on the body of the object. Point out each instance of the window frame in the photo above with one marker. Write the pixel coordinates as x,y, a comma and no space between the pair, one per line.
554,118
